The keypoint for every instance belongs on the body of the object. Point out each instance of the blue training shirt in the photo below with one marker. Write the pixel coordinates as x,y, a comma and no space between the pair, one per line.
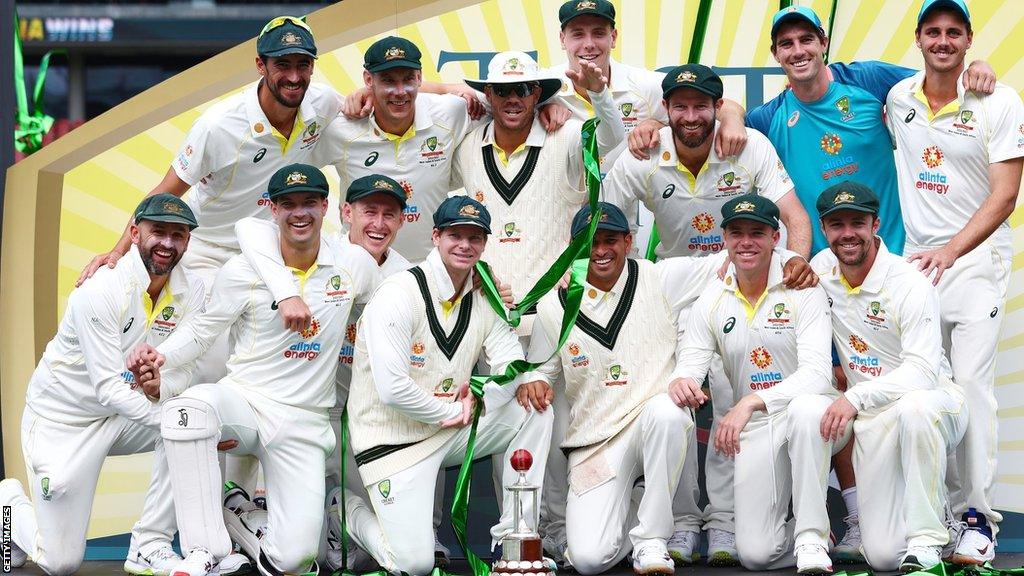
841,136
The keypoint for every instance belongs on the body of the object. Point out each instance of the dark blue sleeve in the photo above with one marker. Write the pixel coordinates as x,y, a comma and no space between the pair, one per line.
760,118
874,76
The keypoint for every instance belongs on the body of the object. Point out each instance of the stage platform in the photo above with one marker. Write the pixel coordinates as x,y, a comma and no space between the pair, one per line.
459,567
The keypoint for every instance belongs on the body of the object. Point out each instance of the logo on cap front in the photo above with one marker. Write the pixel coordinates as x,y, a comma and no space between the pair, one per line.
172,208
586,5
295,178
290,39
469,210
394,53
844,198
744,207
383,185
686,76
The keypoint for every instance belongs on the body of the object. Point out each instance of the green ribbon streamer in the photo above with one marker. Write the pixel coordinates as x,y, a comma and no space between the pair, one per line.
31,127
574,259
947,568
700,32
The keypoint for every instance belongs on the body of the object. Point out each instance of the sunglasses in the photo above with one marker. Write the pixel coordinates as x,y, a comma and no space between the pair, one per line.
521,89
282,20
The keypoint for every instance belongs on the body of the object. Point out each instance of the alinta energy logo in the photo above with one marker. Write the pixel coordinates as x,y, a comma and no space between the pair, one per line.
860,361
308,350
932,179
765,379
411,211
577,359
835,165
417,359
705,240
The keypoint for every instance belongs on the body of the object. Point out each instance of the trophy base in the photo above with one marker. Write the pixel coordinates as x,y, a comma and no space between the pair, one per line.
522,557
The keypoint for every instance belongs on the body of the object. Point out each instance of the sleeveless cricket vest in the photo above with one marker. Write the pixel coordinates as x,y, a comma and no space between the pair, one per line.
442,355
612,367
531,212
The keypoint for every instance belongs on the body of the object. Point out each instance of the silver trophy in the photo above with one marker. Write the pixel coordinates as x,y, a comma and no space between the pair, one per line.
521,550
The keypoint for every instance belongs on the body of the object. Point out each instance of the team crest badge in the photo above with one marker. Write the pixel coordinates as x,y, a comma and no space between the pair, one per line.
432,143
167,312
295,178
760,357
876,307
512,65
586,5
311,129
336,282
384,487
444,388
510,229
843,198
45,485
626,109
394,53
843,105
858,344
290,39
686,76
779,309
744,207
932,156
172,207
615,371
383,185
469,210
965,116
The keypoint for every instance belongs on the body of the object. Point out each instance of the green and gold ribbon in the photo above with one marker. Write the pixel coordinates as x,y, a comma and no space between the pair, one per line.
30,127
949,569
700,32
575,259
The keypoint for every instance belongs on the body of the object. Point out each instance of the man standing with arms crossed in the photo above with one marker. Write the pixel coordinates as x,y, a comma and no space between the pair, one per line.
410,404
960,156
774,342
82,406
274,400
905,410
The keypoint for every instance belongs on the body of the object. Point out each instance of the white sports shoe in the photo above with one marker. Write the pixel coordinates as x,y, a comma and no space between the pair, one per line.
198,562
442,555
235,564
652,557
682,547
13,493
246,528
722,548
812,559
920,558
158,562
848,549
975,545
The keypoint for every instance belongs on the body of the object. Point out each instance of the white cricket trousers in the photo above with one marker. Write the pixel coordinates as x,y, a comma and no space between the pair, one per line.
783,458
63,463
597,512
899,457
972,295
398,532
290,443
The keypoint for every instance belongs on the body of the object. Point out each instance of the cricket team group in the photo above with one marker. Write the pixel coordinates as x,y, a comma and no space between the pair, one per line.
831,275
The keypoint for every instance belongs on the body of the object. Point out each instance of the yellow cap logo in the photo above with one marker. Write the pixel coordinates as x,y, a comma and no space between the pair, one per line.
469,210
394,53
383,184
686,76
172,208
290,39
586,5
295,178
744,207
844,198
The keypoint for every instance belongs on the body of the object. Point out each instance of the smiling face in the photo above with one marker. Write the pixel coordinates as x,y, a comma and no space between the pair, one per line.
394,95
608,257
691,114
590,38
944,39
161,244
460,247
851,236
750,246
286,77
299,216
374,221
513,112
799,48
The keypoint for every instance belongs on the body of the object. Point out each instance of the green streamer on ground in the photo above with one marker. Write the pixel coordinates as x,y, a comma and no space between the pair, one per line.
949,569
700,30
